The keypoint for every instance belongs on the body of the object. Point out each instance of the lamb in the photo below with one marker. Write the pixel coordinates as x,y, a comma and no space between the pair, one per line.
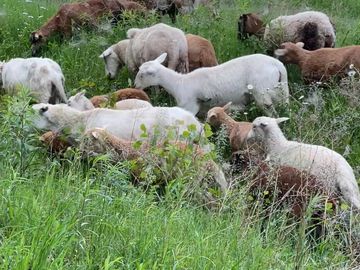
122,94
147,44
201,52
250,24
237,131
312,28
254,77
55,142
322,64
99,141
329,167
125,124
82,103
80,13
42,76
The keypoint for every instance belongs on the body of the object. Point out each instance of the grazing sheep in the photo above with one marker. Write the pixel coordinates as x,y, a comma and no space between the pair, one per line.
329,167
42,76
312,28
122,94
237,131
99,141
80,102
126,124
254,77
321,64
201,52
55,142
80,13
250,24
148,43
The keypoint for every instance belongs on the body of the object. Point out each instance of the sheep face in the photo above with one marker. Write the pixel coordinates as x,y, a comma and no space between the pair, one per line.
148,74
37,40
80,102
41,120
262,125
112,63
288,52
214,115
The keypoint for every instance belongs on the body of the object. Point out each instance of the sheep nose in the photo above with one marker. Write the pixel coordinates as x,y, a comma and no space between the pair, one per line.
109,76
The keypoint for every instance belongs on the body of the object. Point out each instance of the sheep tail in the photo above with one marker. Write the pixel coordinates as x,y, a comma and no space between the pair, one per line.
283,81
57,92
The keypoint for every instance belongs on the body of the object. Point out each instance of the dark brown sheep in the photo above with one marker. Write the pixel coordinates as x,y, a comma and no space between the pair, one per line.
250,24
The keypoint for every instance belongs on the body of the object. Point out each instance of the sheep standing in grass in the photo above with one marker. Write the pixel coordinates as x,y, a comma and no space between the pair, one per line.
82,103
42,76
312,28
146,44
250,24
201,52
329,167
321,64
125,124
254,77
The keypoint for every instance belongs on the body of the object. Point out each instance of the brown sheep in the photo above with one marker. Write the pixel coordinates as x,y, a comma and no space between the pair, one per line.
55,142
250,24
321,64
201,52
88,12
126,93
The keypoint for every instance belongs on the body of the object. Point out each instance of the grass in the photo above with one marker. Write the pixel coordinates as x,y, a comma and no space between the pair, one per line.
67,213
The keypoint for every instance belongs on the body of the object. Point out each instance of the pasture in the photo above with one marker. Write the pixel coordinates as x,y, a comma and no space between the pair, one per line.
70,213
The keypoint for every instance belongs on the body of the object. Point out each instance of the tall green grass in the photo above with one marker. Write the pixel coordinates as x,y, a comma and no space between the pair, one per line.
69,213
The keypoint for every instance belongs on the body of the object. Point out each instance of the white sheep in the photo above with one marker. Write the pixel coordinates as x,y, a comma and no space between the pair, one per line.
313,28
80,102
326,165
254,77
42,76
126,124
146,44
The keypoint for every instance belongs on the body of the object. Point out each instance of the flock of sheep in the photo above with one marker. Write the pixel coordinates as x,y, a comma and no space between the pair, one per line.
185,66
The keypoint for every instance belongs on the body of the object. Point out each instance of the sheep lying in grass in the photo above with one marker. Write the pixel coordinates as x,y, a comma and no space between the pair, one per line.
329,167
254,77
250,24
146,44
321,64
125,124
82,103
201,52
99,141
80,13
312,28
42,76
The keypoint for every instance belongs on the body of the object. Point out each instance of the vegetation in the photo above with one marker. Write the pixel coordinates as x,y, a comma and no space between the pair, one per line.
70,213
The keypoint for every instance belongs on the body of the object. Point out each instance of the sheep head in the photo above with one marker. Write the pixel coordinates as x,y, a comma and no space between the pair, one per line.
217,114
250,24
148,74
37,40
80,102
288,52
263,126
112,62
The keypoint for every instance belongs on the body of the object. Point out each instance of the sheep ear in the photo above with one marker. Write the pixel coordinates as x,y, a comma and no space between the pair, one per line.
280,52
227,106
300,44
281,119
161,58
105,54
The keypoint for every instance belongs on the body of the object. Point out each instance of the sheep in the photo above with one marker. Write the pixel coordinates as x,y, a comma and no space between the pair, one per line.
321,64
254,77
313,28
148,43
80,13
329,167
201,52
250,24
82,103
42,76
125,124
122,94
99,141
55,142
